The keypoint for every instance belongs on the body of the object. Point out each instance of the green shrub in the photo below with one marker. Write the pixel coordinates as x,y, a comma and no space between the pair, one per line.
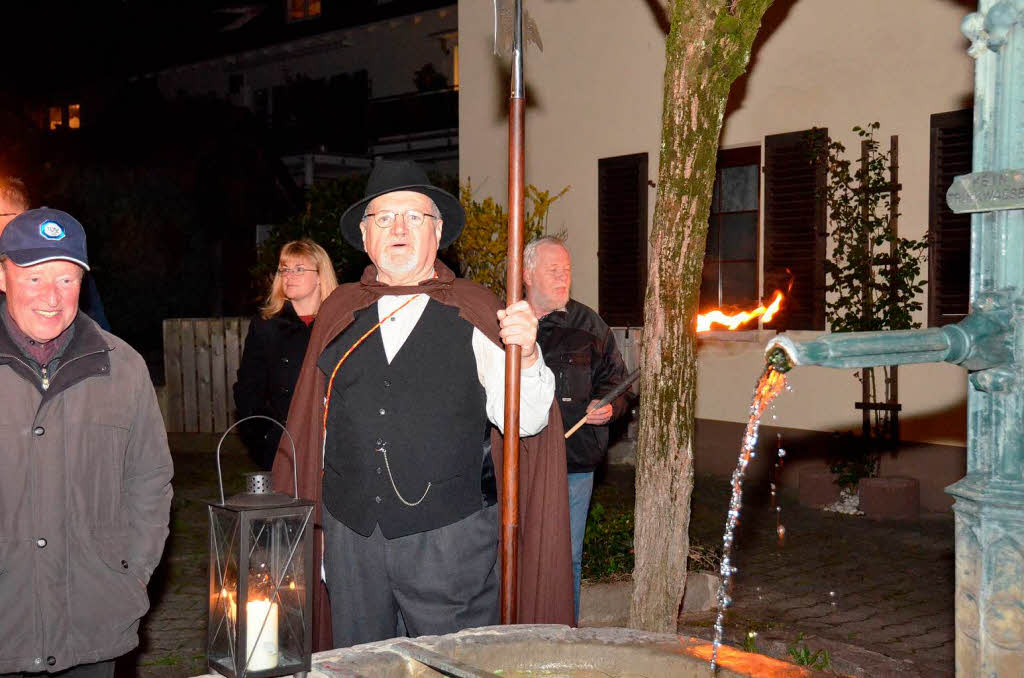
483,246
608,545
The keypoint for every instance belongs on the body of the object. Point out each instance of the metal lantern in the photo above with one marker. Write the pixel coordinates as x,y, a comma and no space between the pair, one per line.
261,579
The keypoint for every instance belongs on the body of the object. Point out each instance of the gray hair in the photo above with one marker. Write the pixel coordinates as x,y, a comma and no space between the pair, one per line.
530,251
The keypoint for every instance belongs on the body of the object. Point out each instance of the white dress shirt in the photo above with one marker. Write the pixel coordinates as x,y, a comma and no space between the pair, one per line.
537,384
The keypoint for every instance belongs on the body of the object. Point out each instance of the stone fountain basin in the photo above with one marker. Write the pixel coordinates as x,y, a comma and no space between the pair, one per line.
555,651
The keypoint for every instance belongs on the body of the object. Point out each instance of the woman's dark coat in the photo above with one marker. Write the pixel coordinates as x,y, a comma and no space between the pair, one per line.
273,353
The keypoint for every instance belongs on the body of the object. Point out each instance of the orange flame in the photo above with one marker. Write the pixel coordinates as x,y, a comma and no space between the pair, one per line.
731,322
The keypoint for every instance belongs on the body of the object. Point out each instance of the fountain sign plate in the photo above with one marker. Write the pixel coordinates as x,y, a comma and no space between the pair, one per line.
987,192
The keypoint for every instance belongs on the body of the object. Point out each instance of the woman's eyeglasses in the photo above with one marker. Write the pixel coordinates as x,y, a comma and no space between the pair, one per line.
298,270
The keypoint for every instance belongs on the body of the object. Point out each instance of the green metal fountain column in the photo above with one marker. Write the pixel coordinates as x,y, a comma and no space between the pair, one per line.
989,505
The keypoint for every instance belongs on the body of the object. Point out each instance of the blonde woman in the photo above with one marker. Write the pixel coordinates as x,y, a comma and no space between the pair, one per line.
277,341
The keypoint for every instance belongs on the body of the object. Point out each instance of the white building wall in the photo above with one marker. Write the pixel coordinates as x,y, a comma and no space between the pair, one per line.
596,91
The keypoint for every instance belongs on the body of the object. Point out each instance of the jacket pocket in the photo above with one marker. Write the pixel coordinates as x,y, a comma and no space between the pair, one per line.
107,596
572,371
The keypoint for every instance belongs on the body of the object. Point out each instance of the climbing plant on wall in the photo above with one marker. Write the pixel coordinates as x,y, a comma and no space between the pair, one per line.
873,275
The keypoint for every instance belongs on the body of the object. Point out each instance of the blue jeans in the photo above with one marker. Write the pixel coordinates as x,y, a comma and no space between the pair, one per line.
581,486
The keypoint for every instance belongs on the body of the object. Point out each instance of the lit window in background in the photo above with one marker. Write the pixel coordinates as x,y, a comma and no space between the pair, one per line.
303,9
74,116
56,117
455,65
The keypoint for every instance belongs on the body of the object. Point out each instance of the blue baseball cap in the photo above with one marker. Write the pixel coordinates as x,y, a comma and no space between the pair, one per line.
42,235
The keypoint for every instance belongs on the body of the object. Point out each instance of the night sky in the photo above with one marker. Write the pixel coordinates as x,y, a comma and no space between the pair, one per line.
60,44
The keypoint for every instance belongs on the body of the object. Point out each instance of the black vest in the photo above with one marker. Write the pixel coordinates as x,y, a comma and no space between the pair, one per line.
427,410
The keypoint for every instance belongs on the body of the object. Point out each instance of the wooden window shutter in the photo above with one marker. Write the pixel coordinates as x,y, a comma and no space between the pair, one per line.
622,239
949,235
795,229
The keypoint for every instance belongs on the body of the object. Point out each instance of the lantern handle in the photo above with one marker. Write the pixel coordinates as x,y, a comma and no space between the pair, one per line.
220,477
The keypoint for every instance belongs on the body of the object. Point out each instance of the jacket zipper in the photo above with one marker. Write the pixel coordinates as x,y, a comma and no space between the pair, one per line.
46,382
46,378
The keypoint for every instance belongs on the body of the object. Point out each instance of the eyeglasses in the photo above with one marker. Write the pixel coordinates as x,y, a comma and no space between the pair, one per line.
298,270
386,218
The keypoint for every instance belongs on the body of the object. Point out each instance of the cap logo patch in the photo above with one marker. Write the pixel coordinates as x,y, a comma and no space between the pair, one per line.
51,230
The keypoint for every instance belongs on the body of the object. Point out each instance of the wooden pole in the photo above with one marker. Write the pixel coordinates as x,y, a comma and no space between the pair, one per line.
867,374
893,386
513,354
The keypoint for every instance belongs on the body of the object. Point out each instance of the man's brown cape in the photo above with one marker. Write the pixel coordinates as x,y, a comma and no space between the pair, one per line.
545,565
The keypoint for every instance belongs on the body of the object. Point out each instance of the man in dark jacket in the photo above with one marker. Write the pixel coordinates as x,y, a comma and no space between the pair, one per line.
581,351
85,490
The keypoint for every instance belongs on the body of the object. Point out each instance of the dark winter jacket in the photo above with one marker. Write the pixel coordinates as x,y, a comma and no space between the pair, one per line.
581,351
85,496
273,353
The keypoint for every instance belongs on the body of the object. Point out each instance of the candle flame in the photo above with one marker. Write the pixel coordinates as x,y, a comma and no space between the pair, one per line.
731,322
230,606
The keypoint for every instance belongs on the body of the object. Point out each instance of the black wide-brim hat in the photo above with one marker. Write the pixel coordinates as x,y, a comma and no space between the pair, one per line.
389,176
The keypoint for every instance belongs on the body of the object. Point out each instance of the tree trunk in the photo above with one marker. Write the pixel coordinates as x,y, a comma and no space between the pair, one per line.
708,47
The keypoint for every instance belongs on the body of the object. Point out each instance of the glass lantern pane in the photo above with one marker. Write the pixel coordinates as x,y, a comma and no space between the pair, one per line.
277,623
224,550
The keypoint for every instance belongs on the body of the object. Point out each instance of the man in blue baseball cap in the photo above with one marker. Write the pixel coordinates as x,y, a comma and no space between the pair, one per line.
85,493
14,199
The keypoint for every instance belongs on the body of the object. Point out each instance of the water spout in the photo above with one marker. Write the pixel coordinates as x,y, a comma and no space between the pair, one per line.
980,341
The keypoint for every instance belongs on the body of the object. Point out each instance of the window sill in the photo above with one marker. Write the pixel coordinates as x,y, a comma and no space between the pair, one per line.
749,336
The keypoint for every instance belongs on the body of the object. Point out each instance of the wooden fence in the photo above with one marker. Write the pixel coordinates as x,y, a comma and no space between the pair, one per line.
201,357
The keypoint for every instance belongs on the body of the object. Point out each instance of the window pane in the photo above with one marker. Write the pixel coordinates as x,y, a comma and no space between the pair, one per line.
739,188
74,116
56,117
739,236
709,286
296,9
711,244
739,284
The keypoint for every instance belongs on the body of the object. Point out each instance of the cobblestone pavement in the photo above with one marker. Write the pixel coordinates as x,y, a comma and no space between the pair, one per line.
173,634
886,587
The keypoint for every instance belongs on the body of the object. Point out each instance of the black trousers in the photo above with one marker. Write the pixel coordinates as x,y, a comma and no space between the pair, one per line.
97,670
429,583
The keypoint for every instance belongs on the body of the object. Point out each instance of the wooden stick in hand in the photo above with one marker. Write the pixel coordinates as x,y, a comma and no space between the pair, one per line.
612,395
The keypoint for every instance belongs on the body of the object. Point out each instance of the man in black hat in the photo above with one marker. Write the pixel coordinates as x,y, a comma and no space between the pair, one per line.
403,379
85,490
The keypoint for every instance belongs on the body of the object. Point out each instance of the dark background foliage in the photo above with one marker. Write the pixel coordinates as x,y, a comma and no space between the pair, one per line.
169,194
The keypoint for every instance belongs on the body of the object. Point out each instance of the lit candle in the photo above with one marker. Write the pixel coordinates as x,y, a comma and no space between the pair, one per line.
261,648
